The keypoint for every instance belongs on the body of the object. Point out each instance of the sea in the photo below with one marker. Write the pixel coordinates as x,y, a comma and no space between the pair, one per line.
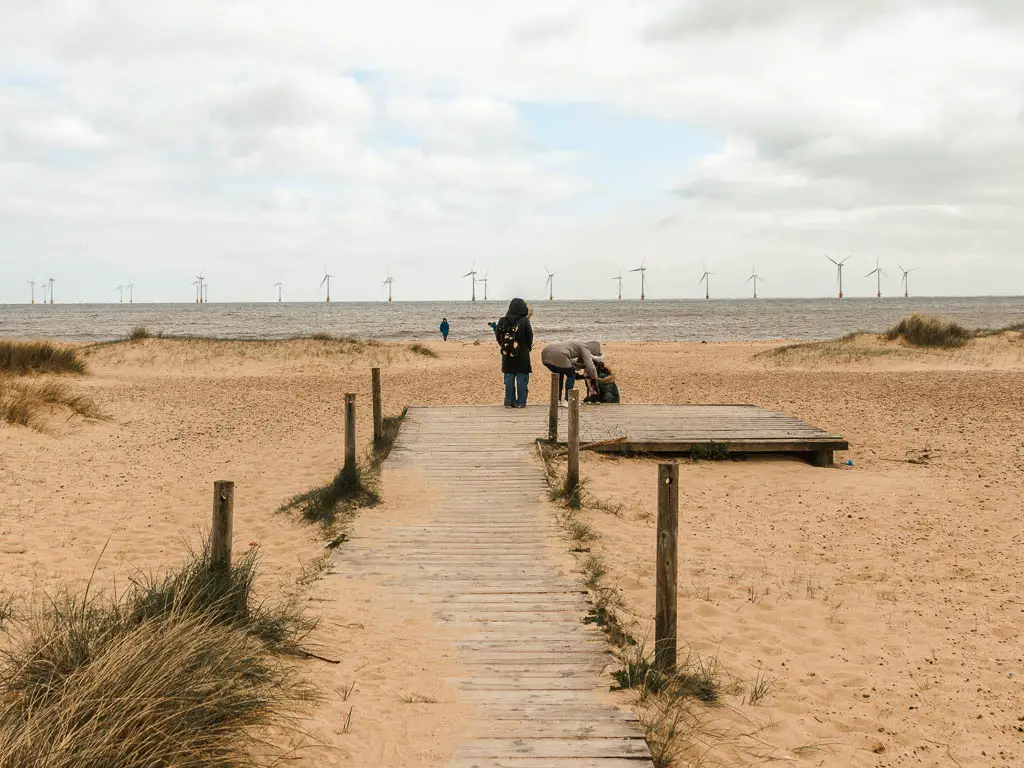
662,320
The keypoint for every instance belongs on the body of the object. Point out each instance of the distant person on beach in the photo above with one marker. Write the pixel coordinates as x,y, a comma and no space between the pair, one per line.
515,338
445,328
566,358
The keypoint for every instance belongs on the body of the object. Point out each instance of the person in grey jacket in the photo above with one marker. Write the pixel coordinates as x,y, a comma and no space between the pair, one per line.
566,358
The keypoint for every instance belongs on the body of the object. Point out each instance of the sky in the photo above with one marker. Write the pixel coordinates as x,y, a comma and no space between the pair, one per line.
257,142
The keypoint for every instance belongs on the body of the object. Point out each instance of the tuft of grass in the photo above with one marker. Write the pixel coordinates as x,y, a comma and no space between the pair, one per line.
348,490
417,698
138,333
6,608
24,402
24,357
710,452
927,331
391,426
421,349
696,677
760,688
593,571
179,671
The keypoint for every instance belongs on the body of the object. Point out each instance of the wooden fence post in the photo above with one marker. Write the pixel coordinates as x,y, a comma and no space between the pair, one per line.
220,530
665,596
553,410
572,474
378,407
350,434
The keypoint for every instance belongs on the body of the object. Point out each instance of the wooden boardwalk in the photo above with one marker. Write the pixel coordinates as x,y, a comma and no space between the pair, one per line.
678,428
531,667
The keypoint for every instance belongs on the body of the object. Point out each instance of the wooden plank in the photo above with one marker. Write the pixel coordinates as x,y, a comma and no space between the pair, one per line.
525,729
579,748
549,762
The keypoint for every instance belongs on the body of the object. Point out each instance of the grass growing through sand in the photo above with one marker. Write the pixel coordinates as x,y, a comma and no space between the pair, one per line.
182,670
25,402
927,331
350,489
23,357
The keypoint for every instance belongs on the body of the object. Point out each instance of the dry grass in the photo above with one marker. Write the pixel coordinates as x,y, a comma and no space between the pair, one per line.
348,491
138,333
420,349
25,403
24,357
180,671
926,331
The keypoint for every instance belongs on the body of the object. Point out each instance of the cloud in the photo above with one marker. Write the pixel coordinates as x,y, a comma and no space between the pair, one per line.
135,136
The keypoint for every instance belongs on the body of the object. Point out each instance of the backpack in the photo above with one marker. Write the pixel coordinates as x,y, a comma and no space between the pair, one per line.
508,337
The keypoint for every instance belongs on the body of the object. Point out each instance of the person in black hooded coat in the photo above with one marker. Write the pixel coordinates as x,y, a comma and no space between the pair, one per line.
515,337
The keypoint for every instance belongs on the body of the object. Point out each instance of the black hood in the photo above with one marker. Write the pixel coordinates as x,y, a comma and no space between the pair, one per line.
517,310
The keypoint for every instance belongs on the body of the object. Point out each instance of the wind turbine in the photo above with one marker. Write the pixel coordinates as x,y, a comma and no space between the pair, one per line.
877,272
51,280
484,281
619,278
754,278
278,286
472,273
706,280
327,280
839,271
906,280
206,287
389,282
196,283
131,292
199,288
33,284
550,283
120,294
642,269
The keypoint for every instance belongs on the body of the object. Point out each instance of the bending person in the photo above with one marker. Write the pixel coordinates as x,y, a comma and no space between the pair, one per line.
566,358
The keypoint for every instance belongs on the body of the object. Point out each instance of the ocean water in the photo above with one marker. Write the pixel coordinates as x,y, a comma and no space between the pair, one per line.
670,320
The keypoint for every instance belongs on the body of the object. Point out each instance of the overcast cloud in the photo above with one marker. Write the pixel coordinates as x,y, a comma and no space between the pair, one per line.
261,141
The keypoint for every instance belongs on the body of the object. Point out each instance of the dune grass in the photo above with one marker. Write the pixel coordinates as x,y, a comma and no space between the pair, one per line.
927,331
421,349
138,333
23,357
347,491
25,403
180,671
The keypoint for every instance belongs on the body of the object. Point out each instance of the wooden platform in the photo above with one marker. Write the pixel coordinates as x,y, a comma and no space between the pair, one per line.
628,428
482,555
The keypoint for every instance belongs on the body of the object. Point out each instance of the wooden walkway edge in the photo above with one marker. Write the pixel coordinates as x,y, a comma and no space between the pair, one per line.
531,669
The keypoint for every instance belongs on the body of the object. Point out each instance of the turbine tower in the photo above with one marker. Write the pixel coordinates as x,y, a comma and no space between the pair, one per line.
51,280
196,283
642,269
484,281
33,284
839,271
905,282
619,278
131,292
706,280
550,283
199,288
327,281
877,273
206,288
472,274
120,294
278,286
389,282
755,279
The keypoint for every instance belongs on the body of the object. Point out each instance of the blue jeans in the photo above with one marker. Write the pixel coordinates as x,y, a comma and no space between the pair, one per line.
566,380
517,389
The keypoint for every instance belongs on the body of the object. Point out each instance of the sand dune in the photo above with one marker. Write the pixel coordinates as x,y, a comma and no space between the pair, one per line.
881,598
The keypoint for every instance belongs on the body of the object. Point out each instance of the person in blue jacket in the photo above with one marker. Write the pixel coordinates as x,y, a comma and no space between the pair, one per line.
445,328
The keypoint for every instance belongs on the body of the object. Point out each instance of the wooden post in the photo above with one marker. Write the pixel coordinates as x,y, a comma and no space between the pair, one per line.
378,407
553,410
665,596
572,474
350,434
220,530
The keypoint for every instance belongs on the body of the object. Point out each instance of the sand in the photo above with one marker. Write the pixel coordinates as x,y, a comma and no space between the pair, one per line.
881,599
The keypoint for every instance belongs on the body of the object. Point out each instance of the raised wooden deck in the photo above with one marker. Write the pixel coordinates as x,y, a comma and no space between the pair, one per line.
483,558
629,428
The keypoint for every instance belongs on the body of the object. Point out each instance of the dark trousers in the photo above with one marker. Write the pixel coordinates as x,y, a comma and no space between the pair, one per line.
517,389
566,379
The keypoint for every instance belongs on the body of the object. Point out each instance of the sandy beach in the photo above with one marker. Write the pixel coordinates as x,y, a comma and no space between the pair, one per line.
880,599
